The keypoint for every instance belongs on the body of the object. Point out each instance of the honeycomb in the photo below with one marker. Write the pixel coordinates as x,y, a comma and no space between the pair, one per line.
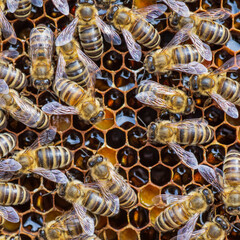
150,169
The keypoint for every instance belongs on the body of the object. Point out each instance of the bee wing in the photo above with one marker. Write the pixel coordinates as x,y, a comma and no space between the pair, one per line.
60,71
6,176
191,68
37,3
7,29
229,65
228,107
53,175
62,6
214,14
9,54
133,47
12,5
10,165
109,33
169,199
119,179
86,222
194,235
4,89
186,157
9,213
178,7
67,34
55,108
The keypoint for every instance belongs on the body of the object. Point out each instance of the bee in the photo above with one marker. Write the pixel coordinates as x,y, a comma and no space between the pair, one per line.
40,52
174,57
216,84
21,108
10,237
164,97
103,172
7,143
67,226
82,102
183,209
89,25
3,119
22,8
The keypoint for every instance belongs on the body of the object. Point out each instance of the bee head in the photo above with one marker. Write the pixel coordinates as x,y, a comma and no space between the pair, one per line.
222,222
149,64
190,106
97,168
111,12
41,84
94,160
208,195
174,20
152,131
97,118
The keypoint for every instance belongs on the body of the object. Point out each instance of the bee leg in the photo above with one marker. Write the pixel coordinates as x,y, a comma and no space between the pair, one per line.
207,102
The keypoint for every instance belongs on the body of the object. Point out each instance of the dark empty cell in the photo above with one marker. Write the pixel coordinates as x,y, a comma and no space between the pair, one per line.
24,237
26,138
160,175
80,124
63,22
72,139
62,204
197,151
149,233
23,63
42,201
120,220
116,138
226,134
76,174
168,235
114,99
124,80
127,157
49,185
36,12
123,46
165,115
190,188
14,125
122,172
221,57
169,157
52,10
18,46
138,176
81,158
47,22
94,139
200,99
104,82
139,217
125,118
47,97
23,28
215,154
233,6
131,64
137,137
214,116
149,156
131,99
171,189
166,37
112,60
182,175
108,234
32,222
146,115
30,182
23,207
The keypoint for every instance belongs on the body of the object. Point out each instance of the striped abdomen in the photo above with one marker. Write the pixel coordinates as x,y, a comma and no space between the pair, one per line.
231,168
96,204
172,217
184,54
23,10
53,157
70,92
194,134
91,41
3,119
13,194
12,76
7,143
144,33
213,32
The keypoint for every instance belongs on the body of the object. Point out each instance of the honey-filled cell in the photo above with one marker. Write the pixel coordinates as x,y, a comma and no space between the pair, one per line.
147,194
127,156
128,234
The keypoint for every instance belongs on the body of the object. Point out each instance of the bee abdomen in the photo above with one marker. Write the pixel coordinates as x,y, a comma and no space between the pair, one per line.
53,157
91,41
7,143
13,194
213,32
3,119
23,10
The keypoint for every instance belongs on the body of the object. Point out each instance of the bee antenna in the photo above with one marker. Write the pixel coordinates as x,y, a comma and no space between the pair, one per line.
98,148
85,152
49,193
131,59
233,226
144,124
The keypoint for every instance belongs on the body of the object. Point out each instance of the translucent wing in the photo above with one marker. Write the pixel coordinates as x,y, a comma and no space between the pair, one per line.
86,222
37,3
56,108
9,214
118,179
4,89
52,175
9,54
60,71
6,176
7,29
10,165
214,14
12,5
178,7
169,198
191,68
133,47
67,34
228,107
187,157
194,235
231,64
109,33
62,6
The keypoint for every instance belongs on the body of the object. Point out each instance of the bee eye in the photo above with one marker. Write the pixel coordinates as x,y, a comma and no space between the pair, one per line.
91,164
99,159
230,209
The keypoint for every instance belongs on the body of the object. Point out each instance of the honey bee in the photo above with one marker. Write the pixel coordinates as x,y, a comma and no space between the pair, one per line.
88,25
224,90
3,119
174,57
183,209
21,108
7,143
103,172
164,97
10,237
22,8
82,102
41,49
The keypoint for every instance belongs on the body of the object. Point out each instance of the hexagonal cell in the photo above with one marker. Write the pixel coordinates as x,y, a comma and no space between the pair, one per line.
23,63
114,99
32,221
160,175
62,123
72,139
115,138
197,151
107,122
233,121
42,202
112,61
23,28
149,233
171,189
147,194
182,175
49,185
138,176
46,97
146,115
125,118
26,138
51,10
108,234
221,57
10,227
139,217
149,156
226,134
80,124
214,116
127,157
132,101
94,139
108,153
215,154
81,158
61,204
15,126
234,42
131,64
128,234
169,157
30,182
18,46
104,82
233,6
137,137
166,37
120,220
46,21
